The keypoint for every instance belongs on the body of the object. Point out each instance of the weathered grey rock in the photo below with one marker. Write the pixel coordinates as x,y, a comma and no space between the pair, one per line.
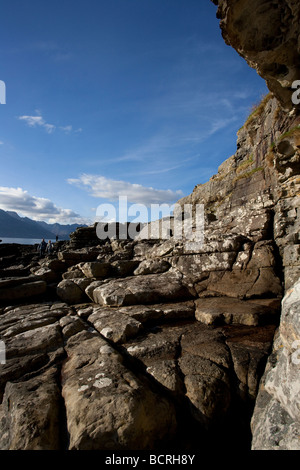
205,364
71,257
91,287
249,351
114,325
54,264
291,255
84,237
15,289
153,266
31,421
276,418
257,32
244,284
32,339
19,319
194,265
160,313
226,310
143,313
107,406
124,267
46,274
142,249
40,339
147,289
95,269
159,353
71,325
68,291
73,273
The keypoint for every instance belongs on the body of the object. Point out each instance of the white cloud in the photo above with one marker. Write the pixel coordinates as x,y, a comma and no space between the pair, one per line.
1,143
37,208
39,121
219,124
66,129
35,121
104,188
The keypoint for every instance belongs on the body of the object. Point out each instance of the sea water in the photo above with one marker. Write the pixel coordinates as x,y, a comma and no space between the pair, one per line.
25,241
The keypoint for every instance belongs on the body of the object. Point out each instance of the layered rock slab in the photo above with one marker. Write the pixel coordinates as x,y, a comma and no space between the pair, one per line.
107,406
231,311
30,414
144,289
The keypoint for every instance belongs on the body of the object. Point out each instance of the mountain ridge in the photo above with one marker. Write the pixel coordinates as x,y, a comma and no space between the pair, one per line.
15,226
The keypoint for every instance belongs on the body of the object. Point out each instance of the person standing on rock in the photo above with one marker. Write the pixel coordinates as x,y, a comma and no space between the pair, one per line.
42,247
49,247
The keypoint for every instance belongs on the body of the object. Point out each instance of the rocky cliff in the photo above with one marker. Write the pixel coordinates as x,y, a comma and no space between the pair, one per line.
167,344
266,34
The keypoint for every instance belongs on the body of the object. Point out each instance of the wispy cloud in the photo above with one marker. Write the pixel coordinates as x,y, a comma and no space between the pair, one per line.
219,124
39,121
37,208
101,187
66,129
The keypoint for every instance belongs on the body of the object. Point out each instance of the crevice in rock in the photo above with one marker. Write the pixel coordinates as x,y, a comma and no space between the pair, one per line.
189,429
239,413
178,354
64,436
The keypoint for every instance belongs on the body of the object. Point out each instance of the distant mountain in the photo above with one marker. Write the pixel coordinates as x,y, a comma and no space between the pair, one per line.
60,230
14,226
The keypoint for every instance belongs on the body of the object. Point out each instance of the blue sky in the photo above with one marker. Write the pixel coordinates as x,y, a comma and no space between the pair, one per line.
108,98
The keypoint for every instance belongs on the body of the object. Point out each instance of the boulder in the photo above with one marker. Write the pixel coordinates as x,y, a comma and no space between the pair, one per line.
31,421
108,407
194,265
257,32
124,267
15,289
146,289
68,291
158,351
46,274
244,284
114,325
32,338
152,266
95,269
226,310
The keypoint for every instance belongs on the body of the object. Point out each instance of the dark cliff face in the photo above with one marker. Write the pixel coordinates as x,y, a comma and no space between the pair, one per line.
266,34
255,193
